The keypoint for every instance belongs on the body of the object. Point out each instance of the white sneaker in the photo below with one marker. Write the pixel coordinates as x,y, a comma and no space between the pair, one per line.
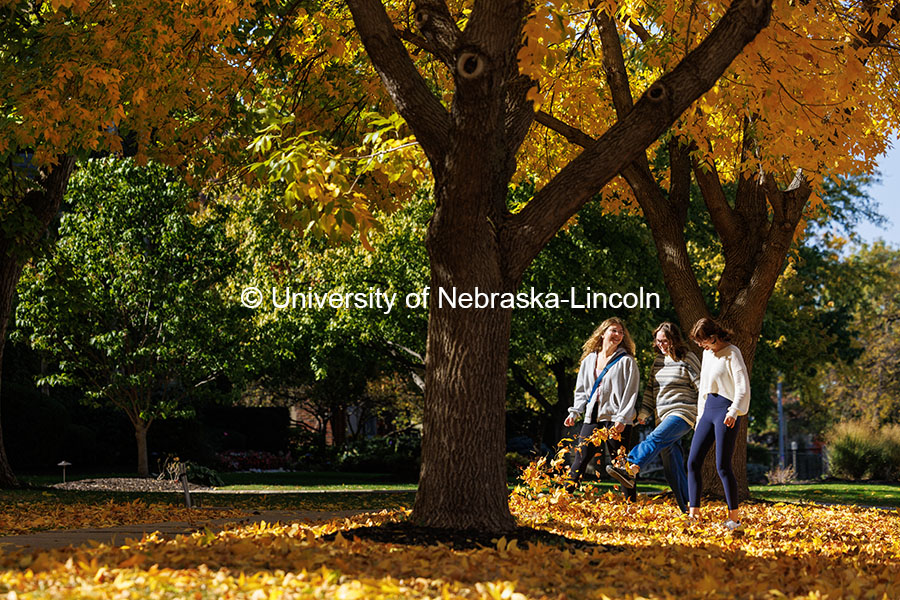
732,525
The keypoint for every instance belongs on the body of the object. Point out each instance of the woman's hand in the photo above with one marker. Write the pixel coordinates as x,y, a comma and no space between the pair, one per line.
570,420
620,427
729,421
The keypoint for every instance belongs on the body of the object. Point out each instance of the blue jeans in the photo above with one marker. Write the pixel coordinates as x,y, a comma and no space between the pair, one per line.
666,437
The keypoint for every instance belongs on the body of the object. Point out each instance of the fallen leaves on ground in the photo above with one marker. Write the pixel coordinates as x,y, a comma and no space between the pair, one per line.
648,551
27,517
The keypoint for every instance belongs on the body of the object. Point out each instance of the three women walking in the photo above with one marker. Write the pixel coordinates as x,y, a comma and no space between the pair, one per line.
682,392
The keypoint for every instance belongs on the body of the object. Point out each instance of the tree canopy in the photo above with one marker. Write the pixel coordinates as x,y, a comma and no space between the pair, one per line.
129,299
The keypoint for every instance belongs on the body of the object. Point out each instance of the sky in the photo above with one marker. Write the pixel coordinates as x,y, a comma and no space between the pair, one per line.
888,196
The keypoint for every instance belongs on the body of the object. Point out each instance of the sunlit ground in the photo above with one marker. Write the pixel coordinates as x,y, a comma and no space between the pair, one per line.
649,551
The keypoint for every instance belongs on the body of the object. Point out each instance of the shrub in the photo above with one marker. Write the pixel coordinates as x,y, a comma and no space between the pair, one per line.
890,435
202,475
756,473
310,452
173,467
778,475
757,453
252,460
859,451
399,454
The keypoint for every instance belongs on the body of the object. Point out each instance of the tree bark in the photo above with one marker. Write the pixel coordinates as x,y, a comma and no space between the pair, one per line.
463,479
40,206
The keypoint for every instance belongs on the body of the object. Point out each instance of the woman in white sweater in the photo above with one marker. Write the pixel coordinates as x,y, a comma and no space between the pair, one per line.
610,402
723,400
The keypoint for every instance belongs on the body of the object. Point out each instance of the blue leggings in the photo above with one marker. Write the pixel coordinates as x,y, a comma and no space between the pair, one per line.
711,428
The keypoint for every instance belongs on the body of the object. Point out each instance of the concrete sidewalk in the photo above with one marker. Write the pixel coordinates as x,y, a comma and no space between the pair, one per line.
62,538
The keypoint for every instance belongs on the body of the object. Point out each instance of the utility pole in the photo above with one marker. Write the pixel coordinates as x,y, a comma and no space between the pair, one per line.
782,430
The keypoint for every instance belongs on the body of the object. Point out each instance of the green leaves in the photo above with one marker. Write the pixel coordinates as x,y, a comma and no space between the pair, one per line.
129,302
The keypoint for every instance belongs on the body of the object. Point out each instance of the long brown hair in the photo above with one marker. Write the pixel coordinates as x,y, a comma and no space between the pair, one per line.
595,342
705,328
677,347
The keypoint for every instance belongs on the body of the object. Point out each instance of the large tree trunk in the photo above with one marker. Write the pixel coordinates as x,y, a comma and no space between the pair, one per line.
39,207
463,478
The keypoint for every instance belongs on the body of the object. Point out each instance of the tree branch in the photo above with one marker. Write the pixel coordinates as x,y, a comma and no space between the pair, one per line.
416,40
528,231
666,219
403,82
680,177
519,115
572,134
720,211
439,28
614,64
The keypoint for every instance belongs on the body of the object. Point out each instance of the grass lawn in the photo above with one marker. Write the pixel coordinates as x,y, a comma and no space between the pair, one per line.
340,487
314,480
832,492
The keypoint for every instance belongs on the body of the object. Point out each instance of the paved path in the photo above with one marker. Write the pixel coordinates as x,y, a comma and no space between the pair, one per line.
62,538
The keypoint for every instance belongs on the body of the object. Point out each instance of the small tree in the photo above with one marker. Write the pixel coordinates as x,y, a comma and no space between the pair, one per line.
127,301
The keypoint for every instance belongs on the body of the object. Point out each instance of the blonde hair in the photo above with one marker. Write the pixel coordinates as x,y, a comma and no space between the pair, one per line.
595,342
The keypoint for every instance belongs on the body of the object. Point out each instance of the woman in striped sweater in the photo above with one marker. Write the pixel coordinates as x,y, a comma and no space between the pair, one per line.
671,395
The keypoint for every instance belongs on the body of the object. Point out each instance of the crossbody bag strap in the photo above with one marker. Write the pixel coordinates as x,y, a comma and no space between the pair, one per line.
608,366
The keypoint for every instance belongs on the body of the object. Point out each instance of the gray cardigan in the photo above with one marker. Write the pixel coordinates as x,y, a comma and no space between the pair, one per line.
617,394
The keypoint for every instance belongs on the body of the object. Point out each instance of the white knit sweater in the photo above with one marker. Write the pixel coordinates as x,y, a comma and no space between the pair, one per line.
725,373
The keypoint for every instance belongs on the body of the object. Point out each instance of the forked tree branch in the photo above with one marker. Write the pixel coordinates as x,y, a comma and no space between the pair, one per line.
528,231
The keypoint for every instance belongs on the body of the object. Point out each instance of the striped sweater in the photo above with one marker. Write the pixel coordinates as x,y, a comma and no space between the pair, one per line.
672,388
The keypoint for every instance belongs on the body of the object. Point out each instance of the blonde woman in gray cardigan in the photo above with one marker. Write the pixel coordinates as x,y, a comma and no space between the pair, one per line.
611,402
671,395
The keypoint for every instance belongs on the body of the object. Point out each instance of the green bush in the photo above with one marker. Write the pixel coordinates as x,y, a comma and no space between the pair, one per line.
759,454
891,436
859,451
399,454
203,475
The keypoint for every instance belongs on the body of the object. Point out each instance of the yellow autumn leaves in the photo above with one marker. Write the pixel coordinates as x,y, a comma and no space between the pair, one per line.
25,517
644,551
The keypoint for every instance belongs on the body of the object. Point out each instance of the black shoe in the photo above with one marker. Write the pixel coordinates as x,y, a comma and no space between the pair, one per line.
621,475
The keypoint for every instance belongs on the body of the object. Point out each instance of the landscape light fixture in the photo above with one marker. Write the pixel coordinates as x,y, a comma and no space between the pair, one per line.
64,464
